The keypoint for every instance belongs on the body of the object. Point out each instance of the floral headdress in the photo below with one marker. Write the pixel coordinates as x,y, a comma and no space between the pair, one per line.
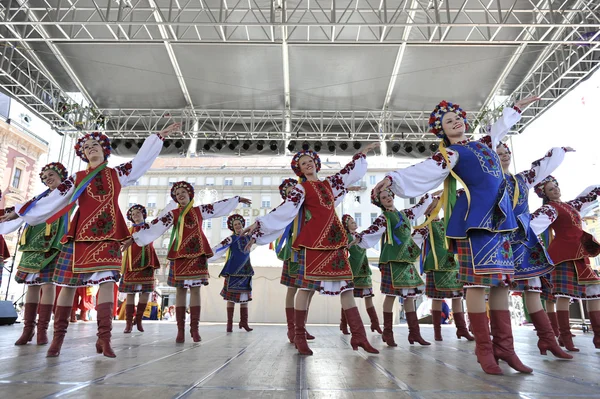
539,188
435,119
99,137
287,183
140,208
58,167
233,218
296,161
345,220
182,184
507,148
375,198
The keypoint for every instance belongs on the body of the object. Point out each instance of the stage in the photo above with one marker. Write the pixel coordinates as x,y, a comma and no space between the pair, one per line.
264,364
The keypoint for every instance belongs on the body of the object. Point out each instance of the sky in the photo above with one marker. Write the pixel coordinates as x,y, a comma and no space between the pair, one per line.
567,123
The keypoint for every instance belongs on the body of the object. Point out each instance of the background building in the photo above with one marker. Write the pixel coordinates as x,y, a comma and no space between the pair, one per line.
257,178
20,151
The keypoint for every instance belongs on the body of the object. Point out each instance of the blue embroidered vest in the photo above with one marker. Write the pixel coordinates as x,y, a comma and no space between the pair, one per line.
490,206
521,210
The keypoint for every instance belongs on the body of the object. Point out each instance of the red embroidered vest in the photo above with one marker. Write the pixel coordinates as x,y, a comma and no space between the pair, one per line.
4,252
324,230
570,241
194,242
151,259
98,217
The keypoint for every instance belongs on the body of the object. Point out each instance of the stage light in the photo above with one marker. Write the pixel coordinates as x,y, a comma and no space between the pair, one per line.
331,146
178,144
208,144
291,146
357,145
233,145
396,147
219,145
273,145
343,146
247,144
115,143
317,146
129,144
421,147
305,146
260,145
433,146
408,147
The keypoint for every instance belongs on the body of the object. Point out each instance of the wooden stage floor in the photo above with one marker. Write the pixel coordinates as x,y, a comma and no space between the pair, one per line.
262,364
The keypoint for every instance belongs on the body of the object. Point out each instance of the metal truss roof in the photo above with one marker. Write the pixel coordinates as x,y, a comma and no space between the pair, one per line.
306,69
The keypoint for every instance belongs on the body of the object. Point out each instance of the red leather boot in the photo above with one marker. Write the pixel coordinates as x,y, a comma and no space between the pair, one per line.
564,325
129,310
180,317
388,331
546,338
300,333
194,323
42,325
359,335
28,324
461,327
414,332
139,316
374,320
62,315
230,311
503,340
436,318
344,324
484,349
289,316
105,316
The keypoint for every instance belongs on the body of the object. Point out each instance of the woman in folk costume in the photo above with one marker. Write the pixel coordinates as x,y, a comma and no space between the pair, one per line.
289,272
530,256
189,249
399,276
139,264
361,272
320,247
477,222
237,271
570,250
441,277
91,246
40,246
4,252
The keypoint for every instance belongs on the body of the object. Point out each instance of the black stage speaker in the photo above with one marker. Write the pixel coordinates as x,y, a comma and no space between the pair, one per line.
8,314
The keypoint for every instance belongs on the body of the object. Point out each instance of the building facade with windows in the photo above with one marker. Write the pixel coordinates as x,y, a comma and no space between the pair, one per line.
256,178
19,154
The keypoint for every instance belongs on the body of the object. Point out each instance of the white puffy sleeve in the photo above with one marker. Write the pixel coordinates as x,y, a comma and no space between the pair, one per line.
350,174
543,167
370,237
419,209
425,176
274,223
10,226
154,229
46,207
219,208
502,126
220,249
586,199
130,172
542,218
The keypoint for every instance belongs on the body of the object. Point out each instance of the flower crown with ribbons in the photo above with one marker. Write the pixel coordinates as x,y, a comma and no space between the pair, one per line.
375,198
140,208
539,188
435,119
296,161
233,218
57,167
287,183
100,138
182,184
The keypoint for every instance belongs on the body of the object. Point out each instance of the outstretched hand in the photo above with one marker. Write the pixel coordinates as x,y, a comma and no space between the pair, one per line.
432,206
8,217
174,127
521,104
248,246
245,201
382,185
126,244
356,241
370,147
569,149
249,230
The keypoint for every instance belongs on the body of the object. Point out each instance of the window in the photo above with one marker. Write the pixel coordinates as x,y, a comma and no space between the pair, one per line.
163,181
191,180
16,180
412,201
372,179
152,201
224,222
154,181
133,199
373,217
207,224
266,181
358,219
228,181
247,219
172,180
210,181
245,206
143,181
265,201
247,181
